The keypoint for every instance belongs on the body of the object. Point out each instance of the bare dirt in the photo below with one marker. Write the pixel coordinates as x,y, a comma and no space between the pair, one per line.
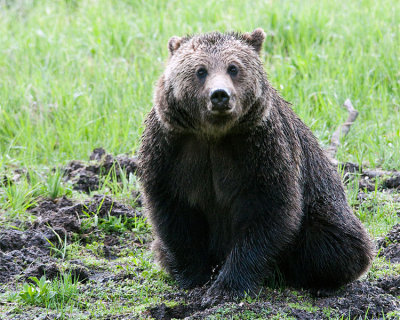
390,245
87,177
26,253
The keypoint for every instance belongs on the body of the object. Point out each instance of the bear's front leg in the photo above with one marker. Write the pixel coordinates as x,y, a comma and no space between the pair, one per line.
181,243
260,237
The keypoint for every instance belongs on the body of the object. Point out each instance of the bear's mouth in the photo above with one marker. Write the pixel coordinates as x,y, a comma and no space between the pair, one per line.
218,118
221,113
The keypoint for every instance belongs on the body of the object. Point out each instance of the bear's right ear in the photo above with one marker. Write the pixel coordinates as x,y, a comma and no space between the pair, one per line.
255,39
173,44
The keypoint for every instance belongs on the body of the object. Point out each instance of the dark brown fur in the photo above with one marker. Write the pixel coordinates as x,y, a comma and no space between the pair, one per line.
245,193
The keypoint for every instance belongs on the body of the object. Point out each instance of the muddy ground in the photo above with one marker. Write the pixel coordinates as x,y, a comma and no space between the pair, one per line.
31,250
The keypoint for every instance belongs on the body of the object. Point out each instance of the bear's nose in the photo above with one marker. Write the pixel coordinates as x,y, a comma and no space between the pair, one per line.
220,99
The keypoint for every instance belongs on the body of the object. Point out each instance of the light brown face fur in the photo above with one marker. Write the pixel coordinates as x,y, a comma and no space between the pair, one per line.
200,65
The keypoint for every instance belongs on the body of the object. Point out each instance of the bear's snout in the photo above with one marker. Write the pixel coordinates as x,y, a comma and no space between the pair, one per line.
220,100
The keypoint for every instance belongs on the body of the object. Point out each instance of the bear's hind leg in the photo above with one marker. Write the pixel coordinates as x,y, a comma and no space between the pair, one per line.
328,255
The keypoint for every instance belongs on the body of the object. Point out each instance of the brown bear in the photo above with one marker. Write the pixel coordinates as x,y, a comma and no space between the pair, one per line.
235,184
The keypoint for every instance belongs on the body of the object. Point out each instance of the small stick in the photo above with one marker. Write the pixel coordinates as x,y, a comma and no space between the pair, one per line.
343,130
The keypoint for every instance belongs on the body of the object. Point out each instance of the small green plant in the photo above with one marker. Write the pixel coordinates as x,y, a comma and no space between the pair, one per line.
119,183
112,224
50,294
38,292
17,197
60,250
122,224
54,187
92,217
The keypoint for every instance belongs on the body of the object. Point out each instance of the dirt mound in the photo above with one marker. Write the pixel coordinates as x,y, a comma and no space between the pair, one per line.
177,312
87,177
362,300
14,262
105,205
31,252
390,245
390,285
387,180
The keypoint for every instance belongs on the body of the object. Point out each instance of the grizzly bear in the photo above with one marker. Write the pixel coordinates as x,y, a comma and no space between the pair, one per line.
235,184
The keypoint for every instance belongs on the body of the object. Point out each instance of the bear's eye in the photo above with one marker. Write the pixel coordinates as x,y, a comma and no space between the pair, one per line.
233,70
201,73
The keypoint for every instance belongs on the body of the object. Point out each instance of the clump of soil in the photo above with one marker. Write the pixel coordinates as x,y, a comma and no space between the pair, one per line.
87,177
388,180
14,262
29,252
390,245
177,312
361,299
390,285
105,205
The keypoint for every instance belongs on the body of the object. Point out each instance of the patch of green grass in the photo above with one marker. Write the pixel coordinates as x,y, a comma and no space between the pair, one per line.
120,184
121,224
20,190
17,197
59,249
55,294
118,224
303,305
54,187
378,212
78,77
382,268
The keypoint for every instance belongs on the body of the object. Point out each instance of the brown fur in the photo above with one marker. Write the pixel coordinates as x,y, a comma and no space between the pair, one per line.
248,191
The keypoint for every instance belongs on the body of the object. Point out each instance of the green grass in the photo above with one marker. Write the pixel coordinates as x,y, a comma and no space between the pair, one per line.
75,75
79,74
54,294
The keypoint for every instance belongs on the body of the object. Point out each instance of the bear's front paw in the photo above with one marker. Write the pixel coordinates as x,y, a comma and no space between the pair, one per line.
186,281
210,300
218,294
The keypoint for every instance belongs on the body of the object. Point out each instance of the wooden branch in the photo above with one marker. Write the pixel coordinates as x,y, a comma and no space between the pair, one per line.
343,130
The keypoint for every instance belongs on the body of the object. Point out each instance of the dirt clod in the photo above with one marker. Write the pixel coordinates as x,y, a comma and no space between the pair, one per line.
50,270
105,205
390,245
32,252
162,312
390,285
87,177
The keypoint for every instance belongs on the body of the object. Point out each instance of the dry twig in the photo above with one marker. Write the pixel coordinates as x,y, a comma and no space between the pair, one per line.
343,130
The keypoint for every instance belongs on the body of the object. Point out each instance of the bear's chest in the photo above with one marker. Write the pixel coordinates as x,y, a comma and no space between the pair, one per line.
206,175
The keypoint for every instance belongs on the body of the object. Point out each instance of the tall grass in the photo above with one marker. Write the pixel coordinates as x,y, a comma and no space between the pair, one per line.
75,75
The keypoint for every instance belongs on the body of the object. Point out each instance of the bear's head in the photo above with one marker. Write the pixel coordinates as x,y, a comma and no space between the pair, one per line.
211,82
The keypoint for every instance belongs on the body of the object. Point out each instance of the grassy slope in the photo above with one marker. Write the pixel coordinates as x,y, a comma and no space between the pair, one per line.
75,75
79,74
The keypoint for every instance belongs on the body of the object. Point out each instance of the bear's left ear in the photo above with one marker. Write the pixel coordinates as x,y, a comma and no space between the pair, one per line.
173,44
255,39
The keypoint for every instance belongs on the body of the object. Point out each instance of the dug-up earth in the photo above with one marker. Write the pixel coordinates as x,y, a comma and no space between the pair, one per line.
87,236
